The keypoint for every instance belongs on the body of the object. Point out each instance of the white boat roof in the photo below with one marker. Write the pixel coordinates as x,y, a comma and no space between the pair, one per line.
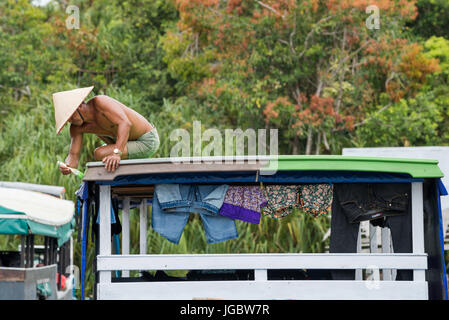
38,207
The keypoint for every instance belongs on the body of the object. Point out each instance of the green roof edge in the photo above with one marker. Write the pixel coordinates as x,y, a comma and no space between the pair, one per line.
417,168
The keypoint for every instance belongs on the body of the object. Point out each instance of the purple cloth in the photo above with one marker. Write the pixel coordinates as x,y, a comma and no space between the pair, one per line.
243,203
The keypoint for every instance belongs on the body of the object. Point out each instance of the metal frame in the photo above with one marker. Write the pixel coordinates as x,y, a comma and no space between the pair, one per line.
261,287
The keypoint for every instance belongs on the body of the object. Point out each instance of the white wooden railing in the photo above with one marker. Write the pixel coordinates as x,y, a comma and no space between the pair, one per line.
261,287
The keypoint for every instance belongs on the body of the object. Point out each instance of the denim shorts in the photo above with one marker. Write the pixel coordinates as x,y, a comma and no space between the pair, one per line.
173,203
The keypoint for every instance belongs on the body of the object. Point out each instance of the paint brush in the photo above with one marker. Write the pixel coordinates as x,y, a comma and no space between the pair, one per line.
76,172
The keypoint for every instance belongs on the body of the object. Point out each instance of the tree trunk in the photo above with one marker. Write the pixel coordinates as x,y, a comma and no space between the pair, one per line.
309,141
326,144
318,143
295,149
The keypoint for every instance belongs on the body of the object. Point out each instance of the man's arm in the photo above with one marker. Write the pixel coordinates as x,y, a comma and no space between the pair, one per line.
76,144
113,111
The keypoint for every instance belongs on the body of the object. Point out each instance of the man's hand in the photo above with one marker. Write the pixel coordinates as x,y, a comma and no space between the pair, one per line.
69,162
111,162
64,170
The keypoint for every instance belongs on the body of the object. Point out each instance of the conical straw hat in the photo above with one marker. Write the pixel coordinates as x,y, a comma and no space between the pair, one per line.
66,103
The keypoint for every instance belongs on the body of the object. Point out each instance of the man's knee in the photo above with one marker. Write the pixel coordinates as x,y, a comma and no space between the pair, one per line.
99,153
105,150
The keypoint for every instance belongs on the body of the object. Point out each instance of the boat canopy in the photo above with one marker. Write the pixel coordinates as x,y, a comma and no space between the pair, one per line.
27,212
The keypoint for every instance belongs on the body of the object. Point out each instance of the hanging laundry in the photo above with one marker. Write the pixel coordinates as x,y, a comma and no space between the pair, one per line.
173,203
355,202
316,198
243,203
282,199
370,201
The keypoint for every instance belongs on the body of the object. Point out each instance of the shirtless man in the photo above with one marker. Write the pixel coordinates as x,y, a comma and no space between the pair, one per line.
127,134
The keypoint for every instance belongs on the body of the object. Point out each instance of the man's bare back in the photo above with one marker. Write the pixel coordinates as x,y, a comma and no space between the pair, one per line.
101,125
111,121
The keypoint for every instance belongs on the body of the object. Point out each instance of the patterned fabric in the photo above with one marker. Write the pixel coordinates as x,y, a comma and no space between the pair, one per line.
282,199
243,203
316,199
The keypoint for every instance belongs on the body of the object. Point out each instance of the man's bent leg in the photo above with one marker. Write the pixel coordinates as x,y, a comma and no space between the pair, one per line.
107,150
145,146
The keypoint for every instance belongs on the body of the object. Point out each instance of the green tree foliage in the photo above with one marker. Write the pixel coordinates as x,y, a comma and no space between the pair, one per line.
312,69
432,19
438,48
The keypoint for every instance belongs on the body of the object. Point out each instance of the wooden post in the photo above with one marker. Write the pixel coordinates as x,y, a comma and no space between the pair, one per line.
45,250
60,266
125,230
31,250
418,226
105,231
143,226
260,275
386,245
28,252
51,250
359,272
373,249
22,251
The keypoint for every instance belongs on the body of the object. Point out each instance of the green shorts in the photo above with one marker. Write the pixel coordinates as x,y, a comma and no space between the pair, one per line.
145,146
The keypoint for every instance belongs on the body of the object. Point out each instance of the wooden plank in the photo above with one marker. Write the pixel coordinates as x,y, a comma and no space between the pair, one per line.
132,191
136,196
262,290
127,189
263,159
99,173
8,275
261,261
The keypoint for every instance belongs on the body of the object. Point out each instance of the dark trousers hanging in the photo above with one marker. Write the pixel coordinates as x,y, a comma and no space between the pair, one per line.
344,235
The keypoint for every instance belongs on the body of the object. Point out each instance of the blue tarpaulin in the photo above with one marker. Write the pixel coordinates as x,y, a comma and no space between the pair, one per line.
252,176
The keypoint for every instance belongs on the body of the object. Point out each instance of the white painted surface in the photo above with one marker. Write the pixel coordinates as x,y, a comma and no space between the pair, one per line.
418,225
386,248
143,226
105,229
125,230
261,261
260,275
375,271
263,290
